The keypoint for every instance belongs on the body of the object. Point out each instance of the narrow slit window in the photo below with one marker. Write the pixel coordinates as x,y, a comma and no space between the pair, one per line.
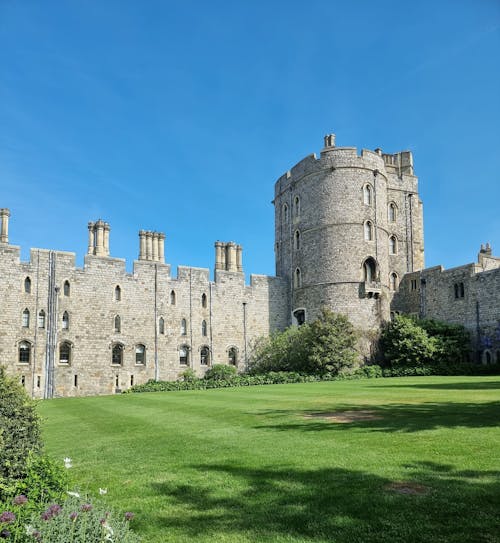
66,288
27,285
204,328
118,293
393,245
65,321
297,240
183,327
117,324
392,212
297,278
367,195
368,231
161,326
204,300
172,297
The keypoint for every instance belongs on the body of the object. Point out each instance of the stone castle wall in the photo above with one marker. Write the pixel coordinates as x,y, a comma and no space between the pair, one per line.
234,314
467,295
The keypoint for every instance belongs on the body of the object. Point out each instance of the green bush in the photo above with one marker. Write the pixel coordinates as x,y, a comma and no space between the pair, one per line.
425,347
189,375
221,371
405,344
19,430
325,346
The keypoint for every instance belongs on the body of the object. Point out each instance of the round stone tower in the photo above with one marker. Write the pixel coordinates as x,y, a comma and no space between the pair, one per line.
348,226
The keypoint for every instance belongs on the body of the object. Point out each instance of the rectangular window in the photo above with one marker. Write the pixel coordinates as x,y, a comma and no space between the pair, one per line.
75,381
38,381
413,285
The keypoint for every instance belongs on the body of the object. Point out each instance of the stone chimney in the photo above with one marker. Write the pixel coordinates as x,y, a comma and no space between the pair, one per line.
4,225
98,244
329,140
152,246
228,256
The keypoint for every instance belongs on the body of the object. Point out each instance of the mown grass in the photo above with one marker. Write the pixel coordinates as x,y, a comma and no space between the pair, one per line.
248,465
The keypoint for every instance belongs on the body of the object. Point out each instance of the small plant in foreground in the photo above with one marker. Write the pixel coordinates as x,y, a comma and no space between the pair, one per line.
221,371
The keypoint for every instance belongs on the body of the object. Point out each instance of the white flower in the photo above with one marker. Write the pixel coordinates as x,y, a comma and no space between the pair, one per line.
29,529
74,494
103,491
67,463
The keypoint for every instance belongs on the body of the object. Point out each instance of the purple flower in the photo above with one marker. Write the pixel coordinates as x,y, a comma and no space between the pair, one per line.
7,517
86,507
55,509
46,515
73,516
129,515
37,535
4,534
20,500
102,522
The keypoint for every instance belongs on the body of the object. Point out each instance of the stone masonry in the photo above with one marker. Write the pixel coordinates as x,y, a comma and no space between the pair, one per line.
348,235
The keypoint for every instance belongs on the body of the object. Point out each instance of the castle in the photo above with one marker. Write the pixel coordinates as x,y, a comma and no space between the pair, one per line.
348,235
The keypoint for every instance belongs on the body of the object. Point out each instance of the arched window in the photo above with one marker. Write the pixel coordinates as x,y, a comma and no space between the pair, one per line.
285,213
65,352
393,281
117,354
65,321
369,270
299,316
183,327
393,245
41,319
66,288
205,356
184,355
368,231
392,212
204,328
455,287
161,326
27,285
26,318
296,206
140,354
367,194
203,300
118,293
297,278
118,324
24,352
232,356
296,238
172,297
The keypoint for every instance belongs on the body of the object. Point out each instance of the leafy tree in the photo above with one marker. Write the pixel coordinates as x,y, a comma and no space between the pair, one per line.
332,344
327,345
453,340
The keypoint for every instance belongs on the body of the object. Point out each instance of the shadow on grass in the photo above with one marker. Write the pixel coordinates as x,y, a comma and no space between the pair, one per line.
391,417
340,505
479,385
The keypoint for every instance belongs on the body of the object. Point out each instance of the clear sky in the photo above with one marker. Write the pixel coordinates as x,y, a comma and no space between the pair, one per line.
180,116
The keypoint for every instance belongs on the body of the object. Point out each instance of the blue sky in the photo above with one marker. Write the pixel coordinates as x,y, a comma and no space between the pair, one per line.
180,116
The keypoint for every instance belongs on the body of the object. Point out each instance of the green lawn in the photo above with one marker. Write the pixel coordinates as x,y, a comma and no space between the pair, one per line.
250,465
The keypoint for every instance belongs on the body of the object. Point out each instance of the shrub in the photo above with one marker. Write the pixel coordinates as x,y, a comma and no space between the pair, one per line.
19,430
76,520
405,344
327,345
189,375
452,341
221,371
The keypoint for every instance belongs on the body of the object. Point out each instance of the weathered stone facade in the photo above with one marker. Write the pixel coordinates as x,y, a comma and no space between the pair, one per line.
468,295
348,235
